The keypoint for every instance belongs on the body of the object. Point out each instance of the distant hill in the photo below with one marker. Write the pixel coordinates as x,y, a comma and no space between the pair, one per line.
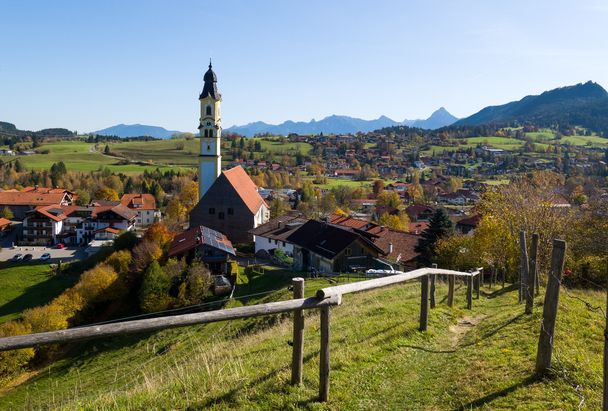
136,130
583,105
341,125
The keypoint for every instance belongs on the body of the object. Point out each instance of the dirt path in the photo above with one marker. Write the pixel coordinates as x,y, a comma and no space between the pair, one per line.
462,327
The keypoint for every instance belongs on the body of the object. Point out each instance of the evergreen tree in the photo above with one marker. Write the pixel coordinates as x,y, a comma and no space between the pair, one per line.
440,226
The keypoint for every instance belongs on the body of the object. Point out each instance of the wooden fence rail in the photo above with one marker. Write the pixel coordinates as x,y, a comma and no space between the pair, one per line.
325,298
153,324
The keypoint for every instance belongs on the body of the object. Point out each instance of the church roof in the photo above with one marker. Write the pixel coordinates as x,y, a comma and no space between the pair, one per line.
210,87
244,186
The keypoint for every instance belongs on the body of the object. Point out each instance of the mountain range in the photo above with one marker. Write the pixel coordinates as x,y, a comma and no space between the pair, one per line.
583,105
136,130
341,125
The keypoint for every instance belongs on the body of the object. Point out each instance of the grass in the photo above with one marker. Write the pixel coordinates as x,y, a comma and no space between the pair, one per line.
479,359
167,152
78,156
27,285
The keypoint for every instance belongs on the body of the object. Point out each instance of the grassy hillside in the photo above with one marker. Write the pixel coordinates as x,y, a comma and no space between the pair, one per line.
479,359
26,286
77,156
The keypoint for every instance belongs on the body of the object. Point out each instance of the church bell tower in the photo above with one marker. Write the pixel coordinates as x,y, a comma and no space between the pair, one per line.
210,131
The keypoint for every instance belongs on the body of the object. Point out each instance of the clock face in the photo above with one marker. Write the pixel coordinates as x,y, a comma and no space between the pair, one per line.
209,123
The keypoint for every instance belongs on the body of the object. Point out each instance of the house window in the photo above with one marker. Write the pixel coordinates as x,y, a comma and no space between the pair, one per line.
348,252
220,215
230,211
212,211
269,240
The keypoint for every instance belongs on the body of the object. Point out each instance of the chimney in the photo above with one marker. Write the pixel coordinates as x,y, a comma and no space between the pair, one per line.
390,248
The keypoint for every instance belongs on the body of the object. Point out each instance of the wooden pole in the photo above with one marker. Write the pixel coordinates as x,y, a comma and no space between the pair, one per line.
297,357
503,270
451,280
469,293
534,262
477,283
433,280
324,356
524,268
531,275
545,340
424,302
605,402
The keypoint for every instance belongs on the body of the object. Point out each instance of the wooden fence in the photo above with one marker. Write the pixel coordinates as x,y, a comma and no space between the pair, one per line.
324,300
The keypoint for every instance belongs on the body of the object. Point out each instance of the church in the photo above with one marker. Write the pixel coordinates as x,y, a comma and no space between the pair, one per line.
229,201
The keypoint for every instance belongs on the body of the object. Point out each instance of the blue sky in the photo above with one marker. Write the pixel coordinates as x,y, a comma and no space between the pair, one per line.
86,65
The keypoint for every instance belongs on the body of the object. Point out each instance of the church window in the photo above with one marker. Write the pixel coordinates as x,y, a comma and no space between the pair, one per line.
230,211
208,110
206,133
212,211
208,147
220,215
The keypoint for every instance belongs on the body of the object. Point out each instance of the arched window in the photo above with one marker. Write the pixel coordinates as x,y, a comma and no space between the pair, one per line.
206,133
208,110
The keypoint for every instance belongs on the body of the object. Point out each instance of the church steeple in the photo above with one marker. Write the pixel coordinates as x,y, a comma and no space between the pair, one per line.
210,132
210,87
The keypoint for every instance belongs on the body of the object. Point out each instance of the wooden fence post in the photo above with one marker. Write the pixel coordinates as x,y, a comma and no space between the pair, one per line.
297,357
534,262
324,356
531,275
523,266
451,290
477,283
424,302
469,292
545,340
605,402
433,280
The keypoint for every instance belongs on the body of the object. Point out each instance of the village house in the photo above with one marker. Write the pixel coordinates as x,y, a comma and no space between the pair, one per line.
211,247
27,199
232,206
42,225
273,234
328,248
398,246
145,207
76,225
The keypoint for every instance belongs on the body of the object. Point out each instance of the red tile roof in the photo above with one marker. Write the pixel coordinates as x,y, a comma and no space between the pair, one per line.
139,201
54,212
30,198
244,186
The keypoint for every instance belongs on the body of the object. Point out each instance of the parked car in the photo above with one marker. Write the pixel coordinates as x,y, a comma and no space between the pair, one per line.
17,257
60,246
45,256
27,257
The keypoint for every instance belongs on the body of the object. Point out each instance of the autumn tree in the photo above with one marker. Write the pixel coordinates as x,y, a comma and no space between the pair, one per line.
389,199
395,221
278,207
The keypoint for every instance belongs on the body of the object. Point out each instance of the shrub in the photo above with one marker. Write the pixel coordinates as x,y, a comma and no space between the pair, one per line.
154,291
119,261
12,362
49,317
